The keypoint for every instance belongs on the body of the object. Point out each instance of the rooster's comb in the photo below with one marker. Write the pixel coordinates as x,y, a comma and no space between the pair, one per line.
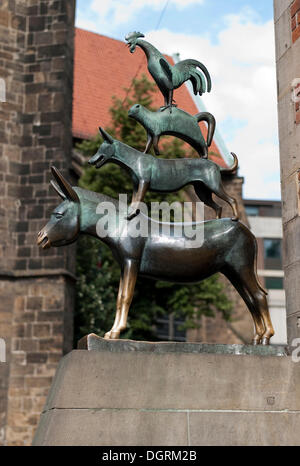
134,35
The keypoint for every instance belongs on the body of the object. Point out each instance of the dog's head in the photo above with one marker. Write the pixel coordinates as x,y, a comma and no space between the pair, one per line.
105,152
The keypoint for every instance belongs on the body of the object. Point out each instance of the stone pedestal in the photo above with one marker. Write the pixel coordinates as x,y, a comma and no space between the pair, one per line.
137,393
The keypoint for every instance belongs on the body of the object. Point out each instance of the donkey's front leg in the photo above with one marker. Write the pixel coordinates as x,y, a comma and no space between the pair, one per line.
118,310
128,285
138,197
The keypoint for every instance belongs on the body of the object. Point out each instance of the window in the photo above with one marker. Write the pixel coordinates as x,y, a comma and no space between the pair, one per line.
251,210
168,328
274,283
272,254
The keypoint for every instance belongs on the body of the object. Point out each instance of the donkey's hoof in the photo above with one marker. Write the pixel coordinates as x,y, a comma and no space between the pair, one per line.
256,341
107,335
114,335
235,218
265,341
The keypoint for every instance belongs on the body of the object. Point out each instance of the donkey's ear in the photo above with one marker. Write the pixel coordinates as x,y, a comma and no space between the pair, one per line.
64,186
106,136
57,189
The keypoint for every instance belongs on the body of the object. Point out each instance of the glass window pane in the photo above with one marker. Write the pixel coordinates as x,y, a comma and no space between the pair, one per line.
252,210
272,248
272,253
169,329
274,283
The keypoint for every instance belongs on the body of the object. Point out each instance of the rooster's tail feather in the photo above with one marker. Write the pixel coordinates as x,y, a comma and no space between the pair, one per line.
187,69
198,64
197,83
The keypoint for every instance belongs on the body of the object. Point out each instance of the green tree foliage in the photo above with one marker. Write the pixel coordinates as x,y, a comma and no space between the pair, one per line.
98,274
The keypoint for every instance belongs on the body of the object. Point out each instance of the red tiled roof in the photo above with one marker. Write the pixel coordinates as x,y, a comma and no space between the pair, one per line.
104,67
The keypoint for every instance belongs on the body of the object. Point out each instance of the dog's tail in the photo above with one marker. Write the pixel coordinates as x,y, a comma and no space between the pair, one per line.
211,123
233,167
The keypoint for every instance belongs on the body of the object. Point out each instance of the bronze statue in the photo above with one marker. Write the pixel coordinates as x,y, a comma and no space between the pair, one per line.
178,123
228,247
166,76
165,175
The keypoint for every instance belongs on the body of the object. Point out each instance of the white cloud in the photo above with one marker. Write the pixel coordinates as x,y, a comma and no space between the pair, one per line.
111,13
106,6
242,66
84,23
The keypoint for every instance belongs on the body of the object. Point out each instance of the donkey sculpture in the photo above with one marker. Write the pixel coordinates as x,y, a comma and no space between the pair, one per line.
165,175
228,247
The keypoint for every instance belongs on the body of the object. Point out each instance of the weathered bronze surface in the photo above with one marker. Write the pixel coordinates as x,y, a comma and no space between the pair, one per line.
92,342
168,77
165,175
178,123
228,247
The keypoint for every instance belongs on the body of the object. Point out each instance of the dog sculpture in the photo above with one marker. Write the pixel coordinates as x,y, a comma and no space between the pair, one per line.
165,175
228,247
178,123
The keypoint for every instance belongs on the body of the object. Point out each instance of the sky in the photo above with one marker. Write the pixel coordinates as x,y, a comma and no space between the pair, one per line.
235,41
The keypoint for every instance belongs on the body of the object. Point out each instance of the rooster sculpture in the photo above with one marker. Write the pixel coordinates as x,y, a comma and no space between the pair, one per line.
166,76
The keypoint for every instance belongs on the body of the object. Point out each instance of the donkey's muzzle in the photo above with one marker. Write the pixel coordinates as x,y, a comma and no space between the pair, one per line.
43,240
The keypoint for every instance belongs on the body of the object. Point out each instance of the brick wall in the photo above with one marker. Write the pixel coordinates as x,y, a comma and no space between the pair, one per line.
295,24
295,20
297,105
36,61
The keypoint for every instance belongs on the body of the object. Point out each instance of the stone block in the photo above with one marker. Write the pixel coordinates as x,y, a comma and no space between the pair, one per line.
137,393
293,325
244,429
280,6
283,37
112,427
290,198
291,250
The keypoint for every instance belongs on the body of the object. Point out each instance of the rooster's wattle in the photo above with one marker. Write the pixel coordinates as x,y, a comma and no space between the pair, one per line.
166,76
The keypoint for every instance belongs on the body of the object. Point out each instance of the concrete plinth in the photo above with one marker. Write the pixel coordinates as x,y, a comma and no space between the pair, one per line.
137,393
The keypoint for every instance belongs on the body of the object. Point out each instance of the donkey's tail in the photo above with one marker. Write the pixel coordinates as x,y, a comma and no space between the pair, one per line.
211,122
233,167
